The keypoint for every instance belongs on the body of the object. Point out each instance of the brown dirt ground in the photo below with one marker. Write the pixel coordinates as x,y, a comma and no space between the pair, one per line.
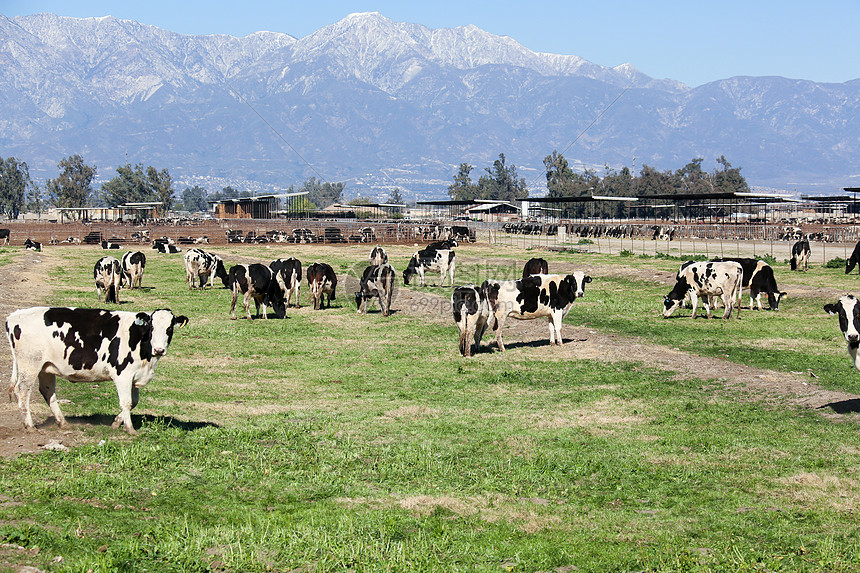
25,282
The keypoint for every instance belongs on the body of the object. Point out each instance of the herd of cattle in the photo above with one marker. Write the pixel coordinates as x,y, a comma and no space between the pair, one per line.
90,345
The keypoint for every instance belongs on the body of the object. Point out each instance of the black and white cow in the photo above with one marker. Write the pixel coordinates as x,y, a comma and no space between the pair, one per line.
535,266
323,283
378,256
107,245
201,268
256,282
848,309
758,277
800,255
853,259
440,245
441,260
288,272
4,236
378,281
32,245
706,280
471,313
133,264
86,345
536,296
108,276
165,245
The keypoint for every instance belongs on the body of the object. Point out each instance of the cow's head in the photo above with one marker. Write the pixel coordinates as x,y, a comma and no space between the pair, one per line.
221,273
675,297
155,330
773,299
578,283
410,269
849,264
848,309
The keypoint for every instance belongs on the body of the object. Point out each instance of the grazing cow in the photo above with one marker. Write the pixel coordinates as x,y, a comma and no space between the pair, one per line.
853,259
758,277
707,280
533,297
201,268
800,255
109,278
133,264
471,313
535,267
4,236
289,275
322,281
86,345
428,259
106,245
32,245
377,280
257,282
848,309
378,256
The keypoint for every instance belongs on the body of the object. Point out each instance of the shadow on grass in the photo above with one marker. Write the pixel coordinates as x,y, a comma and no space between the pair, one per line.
138,420
851,406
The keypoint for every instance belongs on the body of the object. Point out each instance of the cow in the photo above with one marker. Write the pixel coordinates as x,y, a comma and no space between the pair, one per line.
201,268
133,264
533,297
853,259
535,266
471,313
32,245
256,281
377,280
322,281
166,248
86,345
800,255
288,273
848,309
107,245
378,256
758,278
707,280
428,259
440,245
4,236
108,276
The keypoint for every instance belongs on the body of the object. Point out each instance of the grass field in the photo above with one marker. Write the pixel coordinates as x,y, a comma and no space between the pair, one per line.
332,441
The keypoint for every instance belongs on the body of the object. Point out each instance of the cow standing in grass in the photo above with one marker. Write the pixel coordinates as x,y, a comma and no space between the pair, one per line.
471,314
288,272
133,264
108,277
706,280
323,283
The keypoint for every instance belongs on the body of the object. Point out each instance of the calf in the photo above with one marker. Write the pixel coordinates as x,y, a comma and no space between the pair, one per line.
108,276
471,313
848,309
535,267
853,259
133,264
289,275
706,279
377,280
534,297
378,256
323,282
201,268
86,345
256,282
428,259
4,236
106,245
800,255
32,245
758,277
165,245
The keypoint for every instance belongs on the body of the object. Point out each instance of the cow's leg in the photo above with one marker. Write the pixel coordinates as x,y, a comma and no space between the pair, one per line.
246,301
124,389
694,302
47,387
480,328
497,330
22,384
555,324
233,302
315,295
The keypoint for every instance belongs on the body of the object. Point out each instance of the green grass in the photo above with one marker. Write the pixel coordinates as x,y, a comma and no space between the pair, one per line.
332,441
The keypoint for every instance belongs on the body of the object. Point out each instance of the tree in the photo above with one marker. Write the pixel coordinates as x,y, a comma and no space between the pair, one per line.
14,184
73,187
194,199
160,184
562,181
396,198
35,201
462,189
501,182
129,186
323,194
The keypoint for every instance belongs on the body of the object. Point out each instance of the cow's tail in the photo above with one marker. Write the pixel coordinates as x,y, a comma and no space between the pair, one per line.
110,295
793,262
13,381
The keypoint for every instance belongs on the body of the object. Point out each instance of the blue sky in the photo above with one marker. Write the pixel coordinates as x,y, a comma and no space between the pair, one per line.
693,42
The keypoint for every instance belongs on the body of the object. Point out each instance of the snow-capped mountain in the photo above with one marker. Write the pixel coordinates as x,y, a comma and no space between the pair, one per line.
379,104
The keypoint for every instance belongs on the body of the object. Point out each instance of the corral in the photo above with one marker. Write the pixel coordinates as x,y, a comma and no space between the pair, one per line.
331,440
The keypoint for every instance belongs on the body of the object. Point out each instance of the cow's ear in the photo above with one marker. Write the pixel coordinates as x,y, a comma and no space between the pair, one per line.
142,319
830,309
180,321
586,279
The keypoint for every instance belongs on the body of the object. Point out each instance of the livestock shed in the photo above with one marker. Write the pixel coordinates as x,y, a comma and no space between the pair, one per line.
284,205
713,207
